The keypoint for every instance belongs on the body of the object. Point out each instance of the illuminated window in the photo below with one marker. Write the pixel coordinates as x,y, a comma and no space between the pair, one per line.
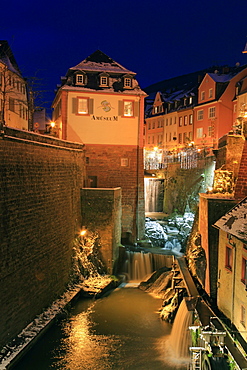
184,137
211,112
104,80
200,115
210,93
228,260
190,119
244,271
199,133
128,108
203,95
190,100
128,82
80,79
209,131
83,105
180,121
180,138
185,120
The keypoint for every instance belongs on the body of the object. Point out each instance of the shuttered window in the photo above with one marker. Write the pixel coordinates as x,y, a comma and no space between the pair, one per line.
128,108
82,106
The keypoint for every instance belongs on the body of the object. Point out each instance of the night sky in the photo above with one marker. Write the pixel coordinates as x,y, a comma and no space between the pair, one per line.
157,39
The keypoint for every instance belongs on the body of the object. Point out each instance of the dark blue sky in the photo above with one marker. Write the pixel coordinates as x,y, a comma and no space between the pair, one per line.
157,39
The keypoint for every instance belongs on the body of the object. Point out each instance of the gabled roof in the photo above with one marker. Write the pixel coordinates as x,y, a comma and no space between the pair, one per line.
234,222
100,62
220,78
7,57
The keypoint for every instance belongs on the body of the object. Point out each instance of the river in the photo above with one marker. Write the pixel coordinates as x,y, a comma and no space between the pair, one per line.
121,331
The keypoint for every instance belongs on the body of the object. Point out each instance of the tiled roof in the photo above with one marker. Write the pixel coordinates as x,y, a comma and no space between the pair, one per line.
7,57
220,78
100,62
234,222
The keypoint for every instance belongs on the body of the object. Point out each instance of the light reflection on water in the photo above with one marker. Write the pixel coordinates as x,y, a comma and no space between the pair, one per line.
122,331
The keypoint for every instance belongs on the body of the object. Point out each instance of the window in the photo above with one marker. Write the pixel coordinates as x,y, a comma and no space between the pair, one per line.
166,121
199,133
161,123
244,271
185,120
153,124
83,105
171,121
202,95
180,121
228,261
104,81
243,316
175,120
180,138
210,93
80,79
12,104
170,136
149,125
190,135
200,115
124,162
190,119
128,108
128,82
209,131
211,112
190,100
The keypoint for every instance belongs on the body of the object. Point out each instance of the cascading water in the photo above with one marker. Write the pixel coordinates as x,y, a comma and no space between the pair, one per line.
154,195
180,336
139,265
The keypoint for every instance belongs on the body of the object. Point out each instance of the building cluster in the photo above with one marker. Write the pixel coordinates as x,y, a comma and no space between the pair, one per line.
100,104
187,115
14,109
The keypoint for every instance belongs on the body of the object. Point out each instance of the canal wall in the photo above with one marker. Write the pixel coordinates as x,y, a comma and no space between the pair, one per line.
40,215
101,214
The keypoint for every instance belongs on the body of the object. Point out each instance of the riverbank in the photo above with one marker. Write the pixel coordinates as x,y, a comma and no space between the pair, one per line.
19,346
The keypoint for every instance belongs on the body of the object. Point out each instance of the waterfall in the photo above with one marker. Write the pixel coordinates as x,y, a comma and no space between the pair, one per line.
154,195
180,336
138,265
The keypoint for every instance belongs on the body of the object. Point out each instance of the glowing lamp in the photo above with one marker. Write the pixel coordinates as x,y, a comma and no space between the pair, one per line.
83,232
52,124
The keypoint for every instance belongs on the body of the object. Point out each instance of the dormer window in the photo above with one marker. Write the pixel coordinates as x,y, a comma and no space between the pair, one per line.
80,79
190,100
104,80
128,82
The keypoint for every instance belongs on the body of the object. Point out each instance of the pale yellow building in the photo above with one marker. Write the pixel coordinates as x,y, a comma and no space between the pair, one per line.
232,266
13,91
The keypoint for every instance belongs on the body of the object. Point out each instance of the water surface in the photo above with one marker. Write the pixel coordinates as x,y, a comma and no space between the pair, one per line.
122,331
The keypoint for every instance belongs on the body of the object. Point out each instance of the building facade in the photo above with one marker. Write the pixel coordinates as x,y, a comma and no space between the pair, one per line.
100,104
232,266
196,110
13,91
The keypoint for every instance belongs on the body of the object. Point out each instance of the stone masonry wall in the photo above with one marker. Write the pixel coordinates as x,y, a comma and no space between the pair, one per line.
40,215
121,166
101,214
